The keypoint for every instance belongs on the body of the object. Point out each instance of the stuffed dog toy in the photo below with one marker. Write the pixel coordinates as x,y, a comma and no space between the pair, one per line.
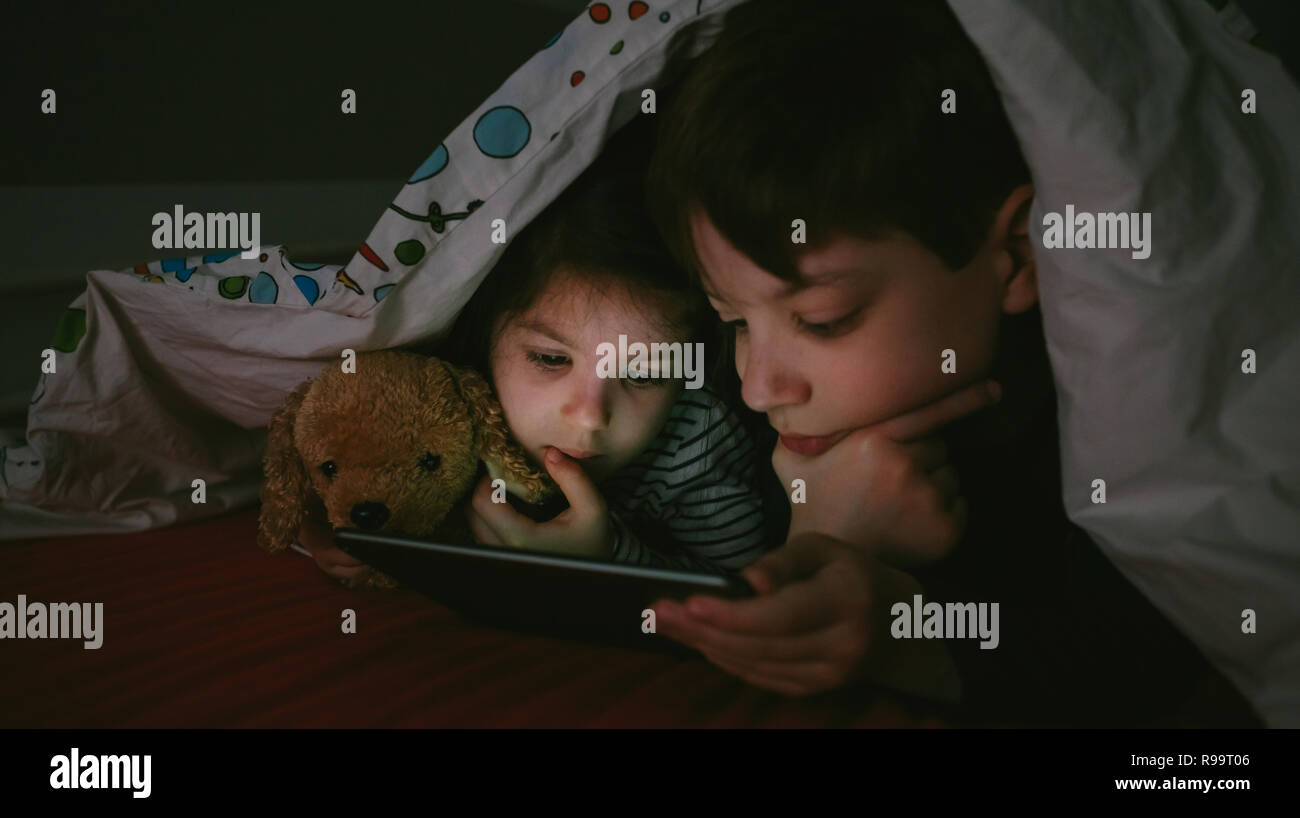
394,446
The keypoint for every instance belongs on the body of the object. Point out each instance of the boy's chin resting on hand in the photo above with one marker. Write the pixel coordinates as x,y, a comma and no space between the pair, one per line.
887,488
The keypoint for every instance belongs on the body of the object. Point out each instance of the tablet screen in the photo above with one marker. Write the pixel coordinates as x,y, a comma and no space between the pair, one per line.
536,591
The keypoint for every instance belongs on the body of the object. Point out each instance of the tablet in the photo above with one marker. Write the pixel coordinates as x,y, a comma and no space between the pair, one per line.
560,595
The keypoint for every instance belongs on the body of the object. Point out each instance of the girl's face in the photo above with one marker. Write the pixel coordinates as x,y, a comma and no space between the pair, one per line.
544,370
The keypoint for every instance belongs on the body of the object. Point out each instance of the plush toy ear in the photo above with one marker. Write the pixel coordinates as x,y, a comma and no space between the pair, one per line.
496,447
286,489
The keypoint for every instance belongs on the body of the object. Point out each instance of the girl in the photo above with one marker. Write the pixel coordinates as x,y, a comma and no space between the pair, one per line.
654,473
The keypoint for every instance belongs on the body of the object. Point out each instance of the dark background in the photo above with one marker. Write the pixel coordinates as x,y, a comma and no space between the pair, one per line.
154,91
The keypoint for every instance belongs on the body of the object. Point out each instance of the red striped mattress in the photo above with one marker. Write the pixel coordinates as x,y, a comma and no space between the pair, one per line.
202,629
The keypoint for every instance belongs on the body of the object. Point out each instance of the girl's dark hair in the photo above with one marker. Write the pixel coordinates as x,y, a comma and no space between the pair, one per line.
598,229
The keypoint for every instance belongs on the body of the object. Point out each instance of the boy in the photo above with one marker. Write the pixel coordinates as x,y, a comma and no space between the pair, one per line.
917,253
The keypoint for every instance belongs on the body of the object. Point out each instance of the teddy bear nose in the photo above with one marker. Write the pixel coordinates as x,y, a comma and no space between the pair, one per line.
369,515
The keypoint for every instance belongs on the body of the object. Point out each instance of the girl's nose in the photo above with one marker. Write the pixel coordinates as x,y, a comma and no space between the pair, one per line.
768,380
588,404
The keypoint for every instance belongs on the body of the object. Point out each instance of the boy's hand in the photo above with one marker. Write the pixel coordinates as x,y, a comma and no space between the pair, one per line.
887,487
317,536
582,529
821,620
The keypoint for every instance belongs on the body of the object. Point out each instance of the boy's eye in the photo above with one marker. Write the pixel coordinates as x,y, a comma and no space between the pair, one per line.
737,324
829,329
546,361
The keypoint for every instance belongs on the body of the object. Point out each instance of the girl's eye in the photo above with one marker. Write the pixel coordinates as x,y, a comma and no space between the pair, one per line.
647,383
737,325
548,362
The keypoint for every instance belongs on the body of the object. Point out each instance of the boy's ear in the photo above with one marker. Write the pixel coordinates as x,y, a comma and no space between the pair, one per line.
1016,271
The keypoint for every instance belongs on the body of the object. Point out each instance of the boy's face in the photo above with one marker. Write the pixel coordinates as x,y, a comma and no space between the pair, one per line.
544,370
863,343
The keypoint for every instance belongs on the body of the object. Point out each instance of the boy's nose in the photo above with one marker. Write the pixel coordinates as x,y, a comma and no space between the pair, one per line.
768,382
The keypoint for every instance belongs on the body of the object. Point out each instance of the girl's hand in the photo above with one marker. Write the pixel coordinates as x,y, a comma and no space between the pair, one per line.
821,619
582,529
887,487
317,536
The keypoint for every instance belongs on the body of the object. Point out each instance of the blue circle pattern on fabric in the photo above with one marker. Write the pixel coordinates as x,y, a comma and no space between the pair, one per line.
177,267
431,166
308,287
502,132
263,290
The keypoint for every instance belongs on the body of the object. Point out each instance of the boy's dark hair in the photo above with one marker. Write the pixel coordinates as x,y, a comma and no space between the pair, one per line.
599,229
830,112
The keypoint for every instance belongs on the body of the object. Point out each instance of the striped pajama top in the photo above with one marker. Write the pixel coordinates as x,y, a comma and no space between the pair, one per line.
690,500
